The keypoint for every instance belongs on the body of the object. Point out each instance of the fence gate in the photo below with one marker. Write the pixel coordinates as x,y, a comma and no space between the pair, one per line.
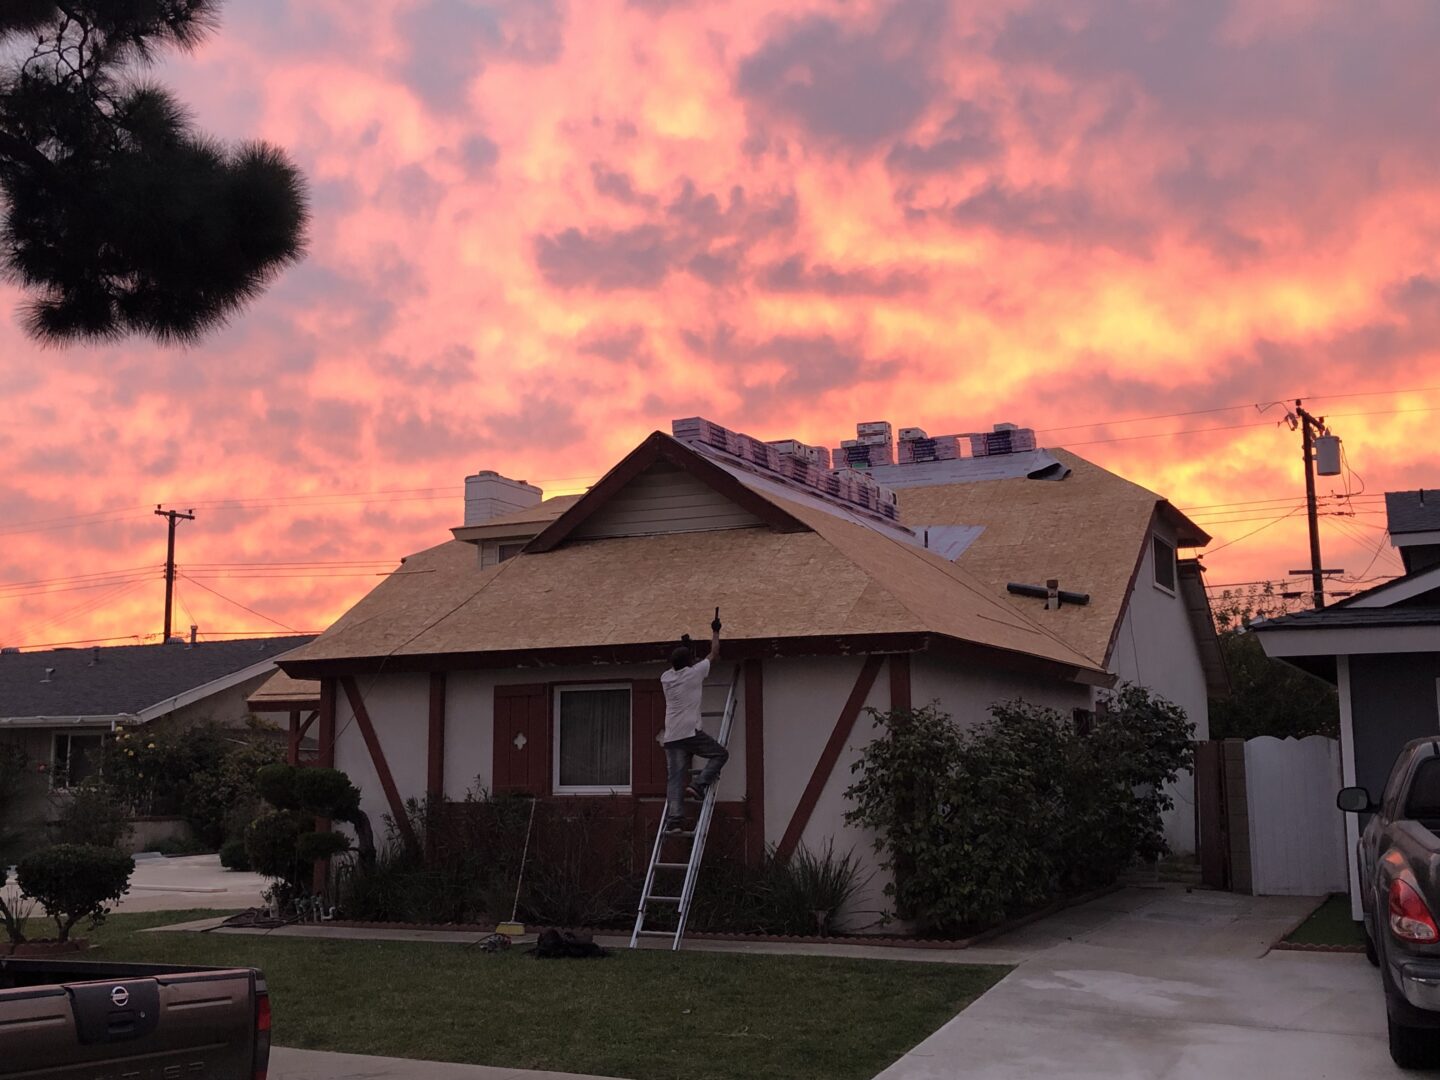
1223,815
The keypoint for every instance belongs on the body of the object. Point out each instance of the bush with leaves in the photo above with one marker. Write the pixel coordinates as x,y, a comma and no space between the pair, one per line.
90,814
15,777
979,824
75,881
282,843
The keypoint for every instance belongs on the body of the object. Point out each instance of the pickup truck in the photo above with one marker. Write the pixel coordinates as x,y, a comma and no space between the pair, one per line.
87,1021
1399,862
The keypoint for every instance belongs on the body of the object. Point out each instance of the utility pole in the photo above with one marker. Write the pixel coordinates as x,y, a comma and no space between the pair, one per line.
1313,428
173,516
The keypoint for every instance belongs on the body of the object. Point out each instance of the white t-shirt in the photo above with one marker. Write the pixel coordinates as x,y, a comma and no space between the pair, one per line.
682,700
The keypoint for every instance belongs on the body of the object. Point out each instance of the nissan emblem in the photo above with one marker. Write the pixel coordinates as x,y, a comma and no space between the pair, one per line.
120,996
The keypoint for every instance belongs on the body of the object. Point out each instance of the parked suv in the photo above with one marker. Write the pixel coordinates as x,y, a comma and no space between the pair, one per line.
1399,861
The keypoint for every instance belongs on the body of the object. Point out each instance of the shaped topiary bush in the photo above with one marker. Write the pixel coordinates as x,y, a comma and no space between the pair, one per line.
75,881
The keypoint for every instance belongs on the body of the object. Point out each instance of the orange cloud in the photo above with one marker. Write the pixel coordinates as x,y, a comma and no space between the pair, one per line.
545,229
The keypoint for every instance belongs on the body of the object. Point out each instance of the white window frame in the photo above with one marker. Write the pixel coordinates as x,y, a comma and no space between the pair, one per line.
592,789
1168,590
55,737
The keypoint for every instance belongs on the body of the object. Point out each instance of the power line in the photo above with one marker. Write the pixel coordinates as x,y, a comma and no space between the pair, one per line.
238,604
1252,532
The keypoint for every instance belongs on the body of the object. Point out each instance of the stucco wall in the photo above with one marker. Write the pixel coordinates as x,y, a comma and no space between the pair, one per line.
803,697
1156,648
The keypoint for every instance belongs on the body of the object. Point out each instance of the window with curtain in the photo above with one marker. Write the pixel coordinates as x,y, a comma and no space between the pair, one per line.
592,738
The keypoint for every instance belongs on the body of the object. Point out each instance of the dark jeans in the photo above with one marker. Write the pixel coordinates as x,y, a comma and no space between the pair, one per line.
677,768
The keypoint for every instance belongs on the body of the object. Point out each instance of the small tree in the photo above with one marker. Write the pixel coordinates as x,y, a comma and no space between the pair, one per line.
1267,696
122,218
91,815
282,843
75,881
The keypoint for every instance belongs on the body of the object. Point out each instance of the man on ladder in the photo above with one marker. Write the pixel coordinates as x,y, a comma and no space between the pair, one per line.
683,736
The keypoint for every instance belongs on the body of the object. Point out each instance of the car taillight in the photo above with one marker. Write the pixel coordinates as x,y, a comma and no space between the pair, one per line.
1410,919
262,1035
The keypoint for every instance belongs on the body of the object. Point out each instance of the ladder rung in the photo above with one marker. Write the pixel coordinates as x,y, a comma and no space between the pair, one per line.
681,832
719,713
672,866
665,899
657,933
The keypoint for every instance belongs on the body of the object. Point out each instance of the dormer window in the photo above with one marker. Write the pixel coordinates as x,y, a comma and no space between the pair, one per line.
509,551
1164,565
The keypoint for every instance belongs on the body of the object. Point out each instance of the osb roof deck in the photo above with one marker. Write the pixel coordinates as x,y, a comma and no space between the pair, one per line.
834,577
1088,531
282,693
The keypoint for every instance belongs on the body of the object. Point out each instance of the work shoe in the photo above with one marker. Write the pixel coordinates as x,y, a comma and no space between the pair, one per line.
695,791
674,824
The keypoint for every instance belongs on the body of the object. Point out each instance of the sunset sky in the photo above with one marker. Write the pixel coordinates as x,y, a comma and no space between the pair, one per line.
544,229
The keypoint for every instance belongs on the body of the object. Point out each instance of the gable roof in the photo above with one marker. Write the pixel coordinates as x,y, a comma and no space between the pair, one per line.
1088,531
817,572
130,680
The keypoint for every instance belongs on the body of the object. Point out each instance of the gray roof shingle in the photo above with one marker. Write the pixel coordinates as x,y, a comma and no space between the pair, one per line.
1413,511
123,679
1335,618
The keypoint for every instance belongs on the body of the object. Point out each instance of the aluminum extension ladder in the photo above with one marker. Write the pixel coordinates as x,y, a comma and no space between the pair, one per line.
696,837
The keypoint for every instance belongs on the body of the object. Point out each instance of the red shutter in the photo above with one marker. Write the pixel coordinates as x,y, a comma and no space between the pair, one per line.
647,757
522,740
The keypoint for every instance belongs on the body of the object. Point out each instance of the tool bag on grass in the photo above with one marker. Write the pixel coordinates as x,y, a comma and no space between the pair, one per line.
564,945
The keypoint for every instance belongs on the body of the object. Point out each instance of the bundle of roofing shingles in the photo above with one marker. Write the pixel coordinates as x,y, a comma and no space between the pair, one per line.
793,460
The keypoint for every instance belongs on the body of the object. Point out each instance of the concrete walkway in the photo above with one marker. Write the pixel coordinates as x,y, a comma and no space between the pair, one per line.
1165,985
190,881
287,1064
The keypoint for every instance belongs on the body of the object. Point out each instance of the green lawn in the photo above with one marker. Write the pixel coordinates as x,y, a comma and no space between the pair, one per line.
642,1015
1330,924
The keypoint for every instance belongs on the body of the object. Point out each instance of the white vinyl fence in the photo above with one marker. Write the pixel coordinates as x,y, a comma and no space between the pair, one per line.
1297,836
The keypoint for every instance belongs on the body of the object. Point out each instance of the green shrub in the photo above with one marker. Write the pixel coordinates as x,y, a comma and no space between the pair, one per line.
271,847
313,846
276,785
326,793
178,845
91,814
978,825
233,855
219,800
75,881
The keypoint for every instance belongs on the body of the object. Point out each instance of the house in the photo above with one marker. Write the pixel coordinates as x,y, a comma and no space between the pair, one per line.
1381,650
57,705
524,655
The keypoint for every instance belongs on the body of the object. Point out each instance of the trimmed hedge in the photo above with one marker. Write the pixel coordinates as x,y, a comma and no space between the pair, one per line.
75,881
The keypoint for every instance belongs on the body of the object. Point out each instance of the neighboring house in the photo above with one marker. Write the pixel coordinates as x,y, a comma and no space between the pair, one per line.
59,704
524,656
1381,650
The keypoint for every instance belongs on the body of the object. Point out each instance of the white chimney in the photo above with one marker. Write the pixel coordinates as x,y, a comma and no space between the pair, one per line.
488,495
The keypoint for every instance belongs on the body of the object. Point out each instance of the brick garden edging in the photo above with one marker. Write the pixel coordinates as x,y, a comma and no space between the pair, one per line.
885,940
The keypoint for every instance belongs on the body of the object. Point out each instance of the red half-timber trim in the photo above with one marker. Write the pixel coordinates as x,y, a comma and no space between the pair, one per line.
900,681
829,756
754,760
382,767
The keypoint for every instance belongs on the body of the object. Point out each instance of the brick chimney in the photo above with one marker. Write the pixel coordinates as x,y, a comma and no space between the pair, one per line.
489,495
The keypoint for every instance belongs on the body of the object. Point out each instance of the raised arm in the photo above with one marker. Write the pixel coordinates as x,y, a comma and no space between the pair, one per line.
714,638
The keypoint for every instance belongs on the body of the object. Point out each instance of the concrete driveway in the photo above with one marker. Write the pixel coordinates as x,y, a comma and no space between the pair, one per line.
1160,984
191,881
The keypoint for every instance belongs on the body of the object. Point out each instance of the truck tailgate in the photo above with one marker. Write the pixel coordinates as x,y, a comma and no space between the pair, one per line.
165,1027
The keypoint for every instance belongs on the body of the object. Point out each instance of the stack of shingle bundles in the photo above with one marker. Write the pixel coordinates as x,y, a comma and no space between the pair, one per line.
940,448
758,453
1005,439
698,429
794,448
